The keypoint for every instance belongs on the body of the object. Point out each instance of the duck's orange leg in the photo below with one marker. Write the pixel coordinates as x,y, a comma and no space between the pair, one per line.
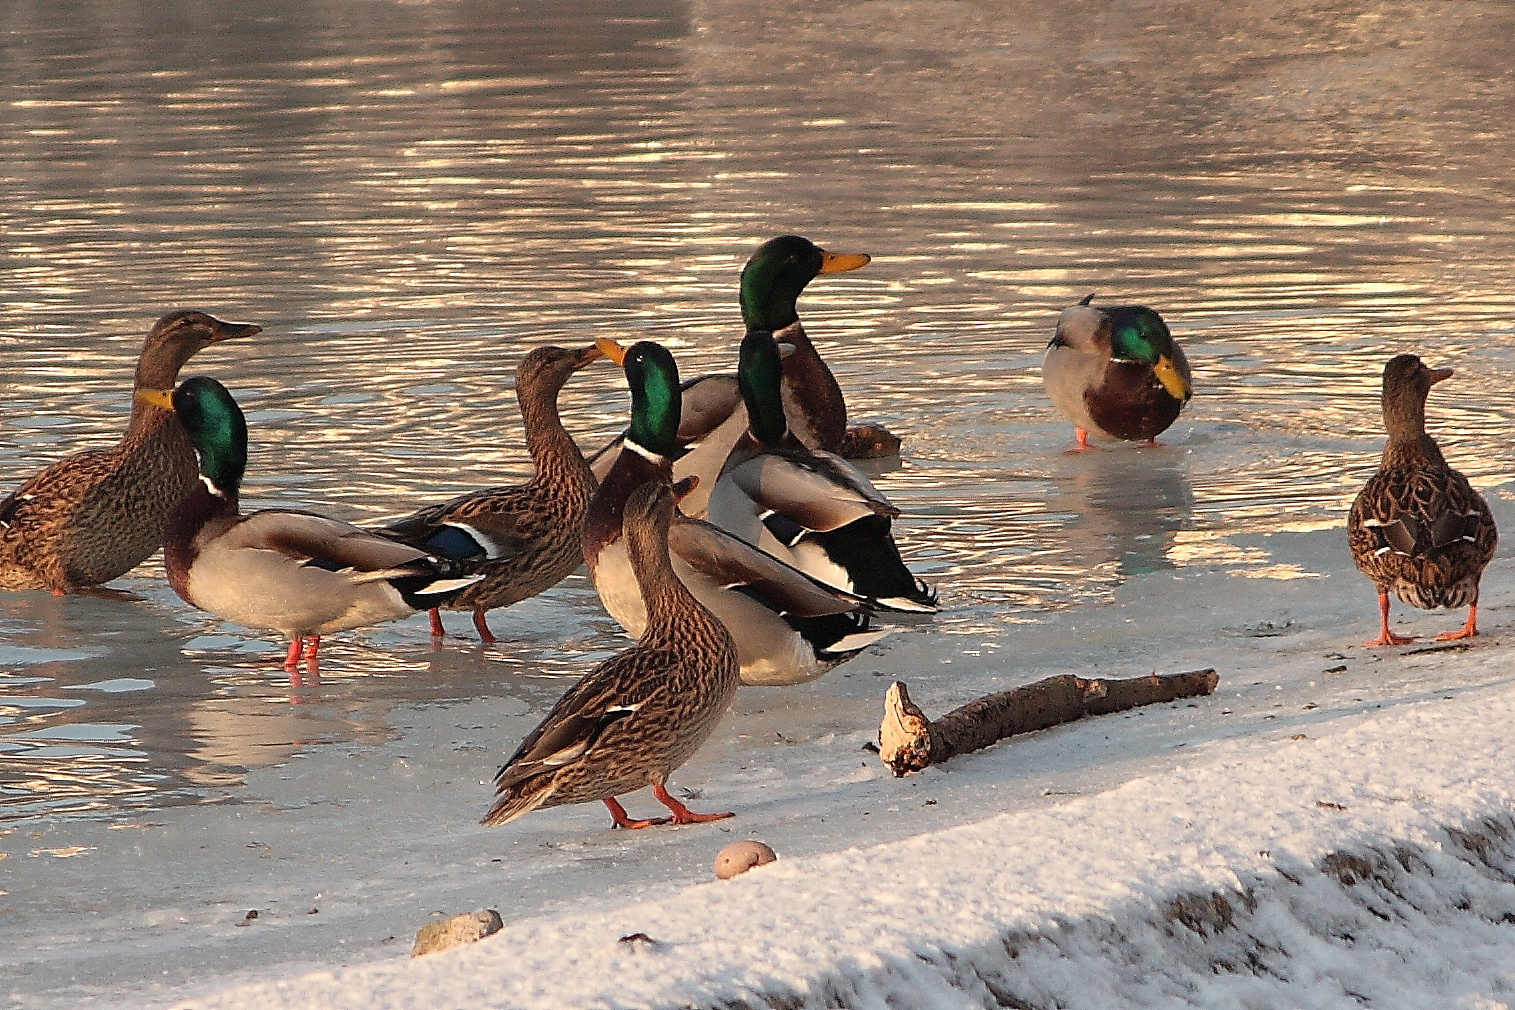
482,626
437,631
1385,636
622,820
1083,441
1468,630
292,660
312,646
681,813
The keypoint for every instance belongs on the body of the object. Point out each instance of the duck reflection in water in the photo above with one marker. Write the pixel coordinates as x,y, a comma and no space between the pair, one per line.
1130,504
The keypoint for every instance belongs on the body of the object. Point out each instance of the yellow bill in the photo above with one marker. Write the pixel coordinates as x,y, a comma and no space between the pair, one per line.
1172,381
835,263
612,350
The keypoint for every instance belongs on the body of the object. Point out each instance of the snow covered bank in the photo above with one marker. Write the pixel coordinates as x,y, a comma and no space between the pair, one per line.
1368,862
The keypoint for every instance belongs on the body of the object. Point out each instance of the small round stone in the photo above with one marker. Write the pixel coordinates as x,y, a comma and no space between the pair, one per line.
739,857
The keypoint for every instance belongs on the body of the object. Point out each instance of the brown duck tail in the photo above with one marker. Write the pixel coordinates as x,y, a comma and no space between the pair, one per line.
518,800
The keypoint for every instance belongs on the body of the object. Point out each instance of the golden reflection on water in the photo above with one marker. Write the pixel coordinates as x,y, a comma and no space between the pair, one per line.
409,207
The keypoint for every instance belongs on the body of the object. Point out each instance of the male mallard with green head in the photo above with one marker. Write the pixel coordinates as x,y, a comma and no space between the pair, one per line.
1418,529
788,628
808,507
295,572
523,539
94,516
1116,373
635,718
711,423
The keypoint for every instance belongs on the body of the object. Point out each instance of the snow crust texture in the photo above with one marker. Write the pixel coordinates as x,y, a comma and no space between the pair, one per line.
1372,865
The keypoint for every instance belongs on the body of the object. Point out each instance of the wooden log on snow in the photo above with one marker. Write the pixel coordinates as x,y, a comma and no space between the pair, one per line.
908,741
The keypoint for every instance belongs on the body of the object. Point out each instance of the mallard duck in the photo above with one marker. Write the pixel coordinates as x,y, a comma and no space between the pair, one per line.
1417,528
1116,373
298,573
524,539
643,712
94,516
788,628
712,420
807,507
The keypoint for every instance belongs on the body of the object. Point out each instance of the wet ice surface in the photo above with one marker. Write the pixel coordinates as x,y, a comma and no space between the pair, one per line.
409,204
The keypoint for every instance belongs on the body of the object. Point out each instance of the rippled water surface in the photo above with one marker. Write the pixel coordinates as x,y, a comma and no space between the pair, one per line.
408,196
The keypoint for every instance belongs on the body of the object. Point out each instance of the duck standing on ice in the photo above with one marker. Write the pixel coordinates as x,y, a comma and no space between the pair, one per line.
1116,373
1417,528
635,718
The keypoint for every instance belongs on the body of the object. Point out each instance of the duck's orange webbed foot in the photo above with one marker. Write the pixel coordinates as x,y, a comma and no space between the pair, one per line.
681,813
1468,630
623,820
1389,638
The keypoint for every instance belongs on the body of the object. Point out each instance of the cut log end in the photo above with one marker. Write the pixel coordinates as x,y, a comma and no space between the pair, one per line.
904,737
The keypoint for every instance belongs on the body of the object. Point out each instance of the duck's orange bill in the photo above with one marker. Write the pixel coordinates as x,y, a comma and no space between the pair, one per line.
684,488
157,397
1437,374
835,263
612,350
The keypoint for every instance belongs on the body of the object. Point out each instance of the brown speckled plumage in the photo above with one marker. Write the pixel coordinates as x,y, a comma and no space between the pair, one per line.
642,713
95,515
1418,529
532,529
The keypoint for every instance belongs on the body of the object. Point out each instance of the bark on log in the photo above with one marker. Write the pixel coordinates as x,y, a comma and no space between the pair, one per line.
909,742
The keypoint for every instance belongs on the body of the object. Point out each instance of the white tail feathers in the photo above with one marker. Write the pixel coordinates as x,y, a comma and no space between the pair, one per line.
448,585
858,640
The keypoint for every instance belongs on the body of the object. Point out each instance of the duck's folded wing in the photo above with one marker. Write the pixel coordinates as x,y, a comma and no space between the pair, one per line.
817,491
326,543
707,403
491,525
611,692
734,563
1424,512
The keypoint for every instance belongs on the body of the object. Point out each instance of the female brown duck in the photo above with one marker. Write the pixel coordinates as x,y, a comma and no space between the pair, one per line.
643,712
96,515
1418,528
523,539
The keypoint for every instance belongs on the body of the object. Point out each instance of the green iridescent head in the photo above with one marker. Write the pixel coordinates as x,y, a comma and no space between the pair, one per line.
215,426
656,399
760,374
1138,334
776,274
